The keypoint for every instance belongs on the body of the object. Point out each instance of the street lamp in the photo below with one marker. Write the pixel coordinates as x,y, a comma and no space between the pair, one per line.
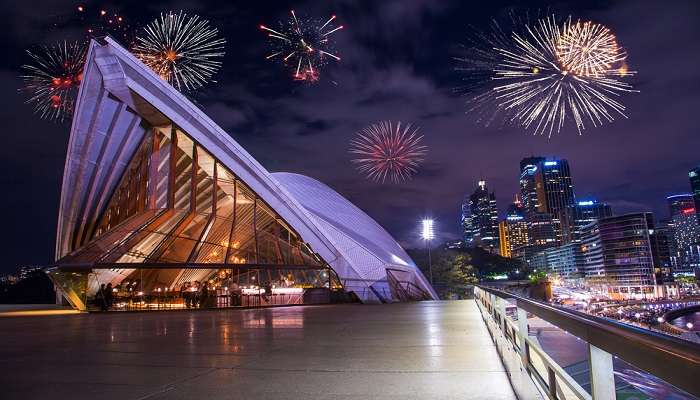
428,235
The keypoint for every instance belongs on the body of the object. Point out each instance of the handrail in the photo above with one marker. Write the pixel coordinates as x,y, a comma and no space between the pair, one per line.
674,360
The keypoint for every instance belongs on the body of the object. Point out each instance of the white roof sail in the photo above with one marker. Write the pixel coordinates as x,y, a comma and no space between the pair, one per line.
119,94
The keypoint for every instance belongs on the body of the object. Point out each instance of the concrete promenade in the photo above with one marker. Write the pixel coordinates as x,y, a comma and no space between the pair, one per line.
427,350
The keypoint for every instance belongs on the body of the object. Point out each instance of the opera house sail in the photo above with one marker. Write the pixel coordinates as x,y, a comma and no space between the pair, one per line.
157,200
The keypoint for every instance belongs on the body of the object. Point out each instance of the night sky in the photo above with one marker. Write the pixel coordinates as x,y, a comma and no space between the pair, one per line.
397,65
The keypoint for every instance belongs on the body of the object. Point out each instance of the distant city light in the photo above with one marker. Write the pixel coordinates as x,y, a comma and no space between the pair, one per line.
427,232
689,325
586,203
550,163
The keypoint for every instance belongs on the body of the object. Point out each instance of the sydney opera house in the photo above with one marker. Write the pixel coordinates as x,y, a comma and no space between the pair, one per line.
158,200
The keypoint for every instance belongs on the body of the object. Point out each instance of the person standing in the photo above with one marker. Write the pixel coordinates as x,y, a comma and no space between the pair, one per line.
109,296
100,298
204,296
186,294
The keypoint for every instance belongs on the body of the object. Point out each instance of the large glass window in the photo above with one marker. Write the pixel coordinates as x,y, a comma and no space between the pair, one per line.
177,204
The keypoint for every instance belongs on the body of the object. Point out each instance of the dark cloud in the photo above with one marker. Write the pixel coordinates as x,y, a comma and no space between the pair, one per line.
396,65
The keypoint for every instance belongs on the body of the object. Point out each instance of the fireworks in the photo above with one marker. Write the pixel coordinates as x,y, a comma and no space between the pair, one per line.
184,50
53,77
98,22
304,45
542,74
588,49
387,151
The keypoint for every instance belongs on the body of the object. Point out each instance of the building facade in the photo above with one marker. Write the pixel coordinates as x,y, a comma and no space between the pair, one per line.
480,219
583,213
547,194
157,199
686,232
628,260
514,232
694,177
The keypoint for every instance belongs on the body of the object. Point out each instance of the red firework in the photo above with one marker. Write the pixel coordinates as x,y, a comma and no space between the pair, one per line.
388,151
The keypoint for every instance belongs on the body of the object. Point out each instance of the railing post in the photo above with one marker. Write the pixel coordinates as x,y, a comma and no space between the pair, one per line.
495,309
523,332
602,376
552,383
501,307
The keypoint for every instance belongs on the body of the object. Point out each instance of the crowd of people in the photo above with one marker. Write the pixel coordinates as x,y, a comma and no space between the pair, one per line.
193,294
197,295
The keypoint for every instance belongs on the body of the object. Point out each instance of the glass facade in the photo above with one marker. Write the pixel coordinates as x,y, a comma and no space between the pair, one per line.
180,217
627,251
480,219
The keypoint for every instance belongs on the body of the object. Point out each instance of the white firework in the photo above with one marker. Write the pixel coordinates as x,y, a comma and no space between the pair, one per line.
182,49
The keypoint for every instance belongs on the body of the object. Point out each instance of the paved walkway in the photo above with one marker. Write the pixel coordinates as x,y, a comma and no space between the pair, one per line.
428,350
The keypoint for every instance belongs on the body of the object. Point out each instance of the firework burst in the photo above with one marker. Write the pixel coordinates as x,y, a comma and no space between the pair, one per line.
184,50
304,45
387,151
588,49
540,75
53,77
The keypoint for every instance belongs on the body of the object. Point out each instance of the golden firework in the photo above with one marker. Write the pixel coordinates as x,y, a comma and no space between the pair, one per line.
588,49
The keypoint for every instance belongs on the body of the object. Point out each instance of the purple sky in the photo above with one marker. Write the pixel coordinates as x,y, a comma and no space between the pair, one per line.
396,65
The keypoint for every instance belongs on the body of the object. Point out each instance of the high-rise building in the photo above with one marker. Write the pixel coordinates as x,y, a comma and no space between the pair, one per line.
513,231
583,213
558,193
694,176
686,232
664,261
528,185
547,193
480,219
628,260
591,249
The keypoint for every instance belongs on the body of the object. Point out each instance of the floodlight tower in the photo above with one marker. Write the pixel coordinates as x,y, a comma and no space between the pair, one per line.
428,235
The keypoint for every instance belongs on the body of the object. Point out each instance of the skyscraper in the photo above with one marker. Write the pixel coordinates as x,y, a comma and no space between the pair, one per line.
583,213
558,193
528,185
547,195
686,232
664,261
694,176
628,258
513,231
480,219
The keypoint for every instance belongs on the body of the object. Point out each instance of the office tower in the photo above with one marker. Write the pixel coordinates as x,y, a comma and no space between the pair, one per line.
528,185
513,231
591,249
547,193
480,219
694,176
664,262
628,258
583,213
686,232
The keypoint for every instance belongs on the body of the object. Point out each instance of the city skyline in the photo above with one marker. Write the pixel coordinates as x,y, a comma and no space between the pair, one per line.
632,164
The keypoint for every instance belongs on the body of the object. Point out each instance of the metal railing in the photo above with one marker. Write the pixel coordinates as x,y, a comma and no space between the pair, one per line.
673,360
